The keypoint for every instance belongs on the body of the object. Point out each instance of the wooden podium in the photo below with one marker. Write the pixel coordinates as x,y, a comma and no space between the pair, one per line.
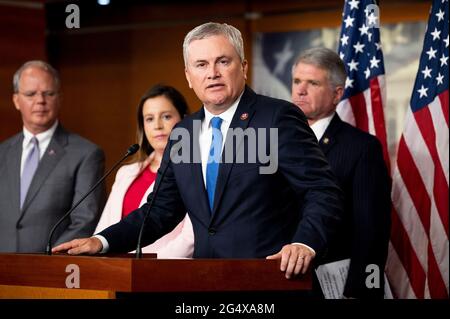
42,276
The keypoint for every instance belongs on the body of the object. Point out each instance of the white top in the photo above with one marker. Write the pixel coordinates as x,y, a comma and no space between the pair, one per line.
43,139
179,243
320,126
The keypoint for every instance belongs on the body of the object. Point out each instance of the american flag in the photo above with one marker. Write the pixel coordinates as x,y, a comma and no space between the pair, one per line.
360,49
418,261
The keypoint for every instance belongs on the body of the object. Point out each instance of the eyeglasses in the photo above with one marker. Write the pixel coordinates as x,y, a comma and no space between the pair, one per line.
34,94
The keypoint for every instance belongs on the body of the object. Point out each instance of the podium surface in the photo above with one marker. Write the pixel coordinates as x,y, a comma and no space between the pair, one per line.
125,273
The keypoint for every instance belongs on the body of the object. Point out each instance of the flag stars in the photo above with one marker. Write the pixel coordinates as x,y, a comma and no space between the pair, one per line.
426,72
364,30
344,40
431,53
374,62
353,65
440,79
446,41
359,47
353,4
369,36
367,73
341,55
440,15
443,59
349,83
436,34
372,19
422,91
348,22
378,45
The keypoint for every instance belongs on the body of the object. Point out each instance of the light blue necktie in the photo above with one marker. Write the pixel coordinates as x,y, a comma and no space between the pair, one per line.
212,167
29,168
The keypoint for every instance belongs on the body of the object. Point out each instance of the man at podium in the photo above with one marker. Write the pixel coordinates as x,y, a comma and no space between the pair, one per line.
239,206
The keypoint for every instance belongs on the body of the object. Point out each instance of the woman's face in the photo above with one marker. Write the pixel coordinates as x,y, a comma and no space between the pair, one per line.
160,116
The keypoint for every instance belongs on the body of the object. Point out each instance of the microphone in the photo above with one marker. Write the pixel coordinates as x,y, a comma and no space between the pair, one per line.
131,150
175,148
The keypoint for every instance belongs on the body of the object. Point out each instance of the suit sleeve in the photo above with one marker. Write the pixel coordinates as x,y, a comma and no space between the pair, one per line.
303,164
168,210
84,218
371,220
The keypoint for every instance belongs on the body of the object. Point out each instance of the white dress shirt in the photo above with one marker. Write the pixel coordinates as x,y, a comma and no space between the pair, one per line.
205,135
43,139
319,127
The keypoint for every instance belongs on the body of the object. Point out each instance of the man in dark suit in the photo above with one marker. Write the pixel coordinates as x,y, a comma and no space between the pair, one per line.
318,79
239,208
45,169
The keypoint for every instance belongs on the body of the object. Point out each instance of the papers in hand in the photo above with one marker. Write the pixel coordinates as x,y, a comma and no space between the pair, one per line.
332,278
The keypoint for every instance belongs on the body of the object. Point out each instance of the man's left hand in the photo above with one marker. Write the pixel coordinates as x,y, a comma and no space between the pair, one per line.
295,258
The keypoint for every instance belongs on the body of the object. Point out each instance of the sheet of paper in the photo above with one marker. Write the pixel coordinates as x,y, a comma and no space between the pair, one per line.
332,277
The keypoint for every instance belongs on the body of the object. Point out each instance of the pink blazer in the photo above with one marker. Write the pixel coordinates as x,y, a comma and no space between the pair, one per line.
179,243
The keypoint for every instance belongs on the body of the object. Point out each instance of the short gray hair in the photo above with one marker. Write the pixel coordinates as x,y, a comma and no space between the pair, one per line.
327,60
210,29
36,64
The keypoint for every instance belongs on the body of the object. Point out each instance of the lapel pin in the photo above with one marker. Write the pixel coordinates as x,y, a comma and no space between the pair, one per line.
326,140
51,152
244,116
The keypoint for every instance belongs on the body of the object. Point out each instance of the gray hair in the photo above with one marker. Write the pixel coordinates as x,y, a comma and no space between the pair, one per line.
327,60
212,28
36,64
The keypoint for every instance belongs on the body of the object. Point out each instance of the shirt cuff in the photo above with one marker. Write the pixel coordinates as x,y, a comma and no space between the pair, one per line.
104,243
314,252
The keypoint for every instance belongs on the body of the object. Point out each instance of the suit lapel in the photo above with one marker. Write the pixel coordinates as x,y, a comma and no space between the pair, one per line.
13,163
241,120
329,136
55,151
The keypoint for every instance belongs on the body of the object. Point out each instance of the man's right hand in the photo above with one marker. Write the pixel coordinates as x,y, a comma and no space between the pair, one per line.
89,246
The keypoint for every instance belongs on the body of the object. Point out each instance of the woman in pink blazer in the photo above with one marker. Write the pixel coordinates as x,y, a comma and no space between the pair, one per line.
160,108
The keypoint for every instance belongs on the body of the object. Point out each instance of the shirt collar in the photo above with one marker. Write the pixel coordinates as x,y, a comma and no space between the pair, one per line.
321,125
226,116
43,138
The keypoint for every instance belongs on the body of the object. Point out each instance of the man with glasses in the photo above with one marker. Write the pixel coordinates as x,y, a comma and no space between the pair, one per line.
45,169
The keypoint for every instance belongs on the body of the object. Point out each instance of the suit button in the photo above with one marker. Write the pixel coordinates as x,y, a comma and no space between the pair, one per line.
211,231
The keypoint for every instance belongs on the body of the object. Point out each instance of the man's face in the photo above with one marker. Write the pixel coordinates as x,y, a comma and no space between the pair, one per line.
313,92
37,100
215,72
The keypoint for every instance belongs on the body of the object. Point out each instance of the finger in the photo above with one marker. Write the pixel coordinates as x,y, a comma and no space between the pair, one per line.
291,264
64,246
274,256
299,264
306,262
285,255
81,246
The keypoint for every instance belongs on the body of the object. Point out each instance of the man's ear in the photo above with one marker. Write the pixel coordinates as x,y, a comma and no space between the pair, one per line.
338,93
188,78
15,99
245,68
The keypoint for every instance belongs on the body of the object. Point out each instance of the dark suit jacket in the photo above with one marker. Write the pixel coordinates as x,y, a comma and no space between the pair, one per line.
254,214
357,160
68,169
